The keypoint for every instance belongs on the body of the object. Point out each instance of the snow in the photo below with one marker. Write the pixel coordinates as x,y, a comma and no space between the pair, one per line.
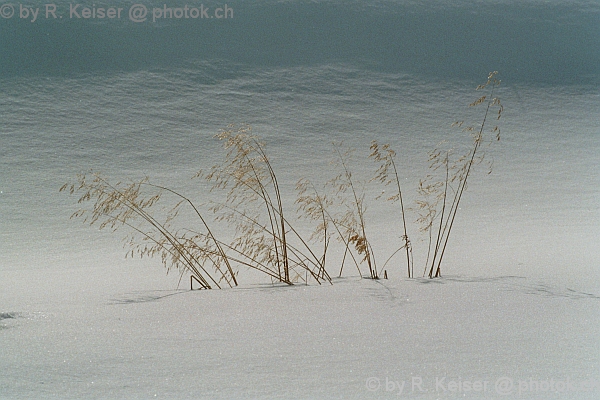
515,316
358,338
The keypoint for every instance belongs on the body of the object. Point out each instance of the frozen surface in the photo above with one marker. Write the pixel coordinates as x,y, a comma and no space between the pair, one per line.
347,340
519,299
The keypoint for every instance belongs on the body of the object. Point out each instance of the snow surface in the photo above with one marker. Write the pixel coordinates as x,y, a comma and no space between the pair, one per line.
516,315
77,321
93,337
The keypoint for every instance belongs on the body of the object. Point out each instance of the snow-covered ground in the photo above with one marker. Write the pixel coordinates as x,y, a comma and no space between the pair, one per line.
83,333
516,315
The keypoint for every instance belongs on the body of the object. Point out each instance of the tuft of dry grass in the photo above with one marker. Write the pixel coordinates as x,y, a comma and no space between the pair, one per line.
440,198
133,205
157,218
264,239
253,204
351,222
387,174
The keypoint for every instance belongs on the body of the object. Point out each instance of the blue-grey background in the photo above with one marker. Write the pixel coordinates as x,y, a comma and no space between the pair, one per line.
133,99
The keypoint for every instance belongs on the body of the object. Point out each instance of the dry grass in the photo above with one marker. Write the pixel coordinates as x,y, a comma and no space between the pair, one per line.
440,198
158,221
340,212
252,204
351,222
387,174
134,206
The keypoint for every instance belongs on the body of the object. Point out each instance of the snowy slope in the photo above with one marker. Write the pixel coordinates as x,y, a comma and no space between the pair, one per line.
456,337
